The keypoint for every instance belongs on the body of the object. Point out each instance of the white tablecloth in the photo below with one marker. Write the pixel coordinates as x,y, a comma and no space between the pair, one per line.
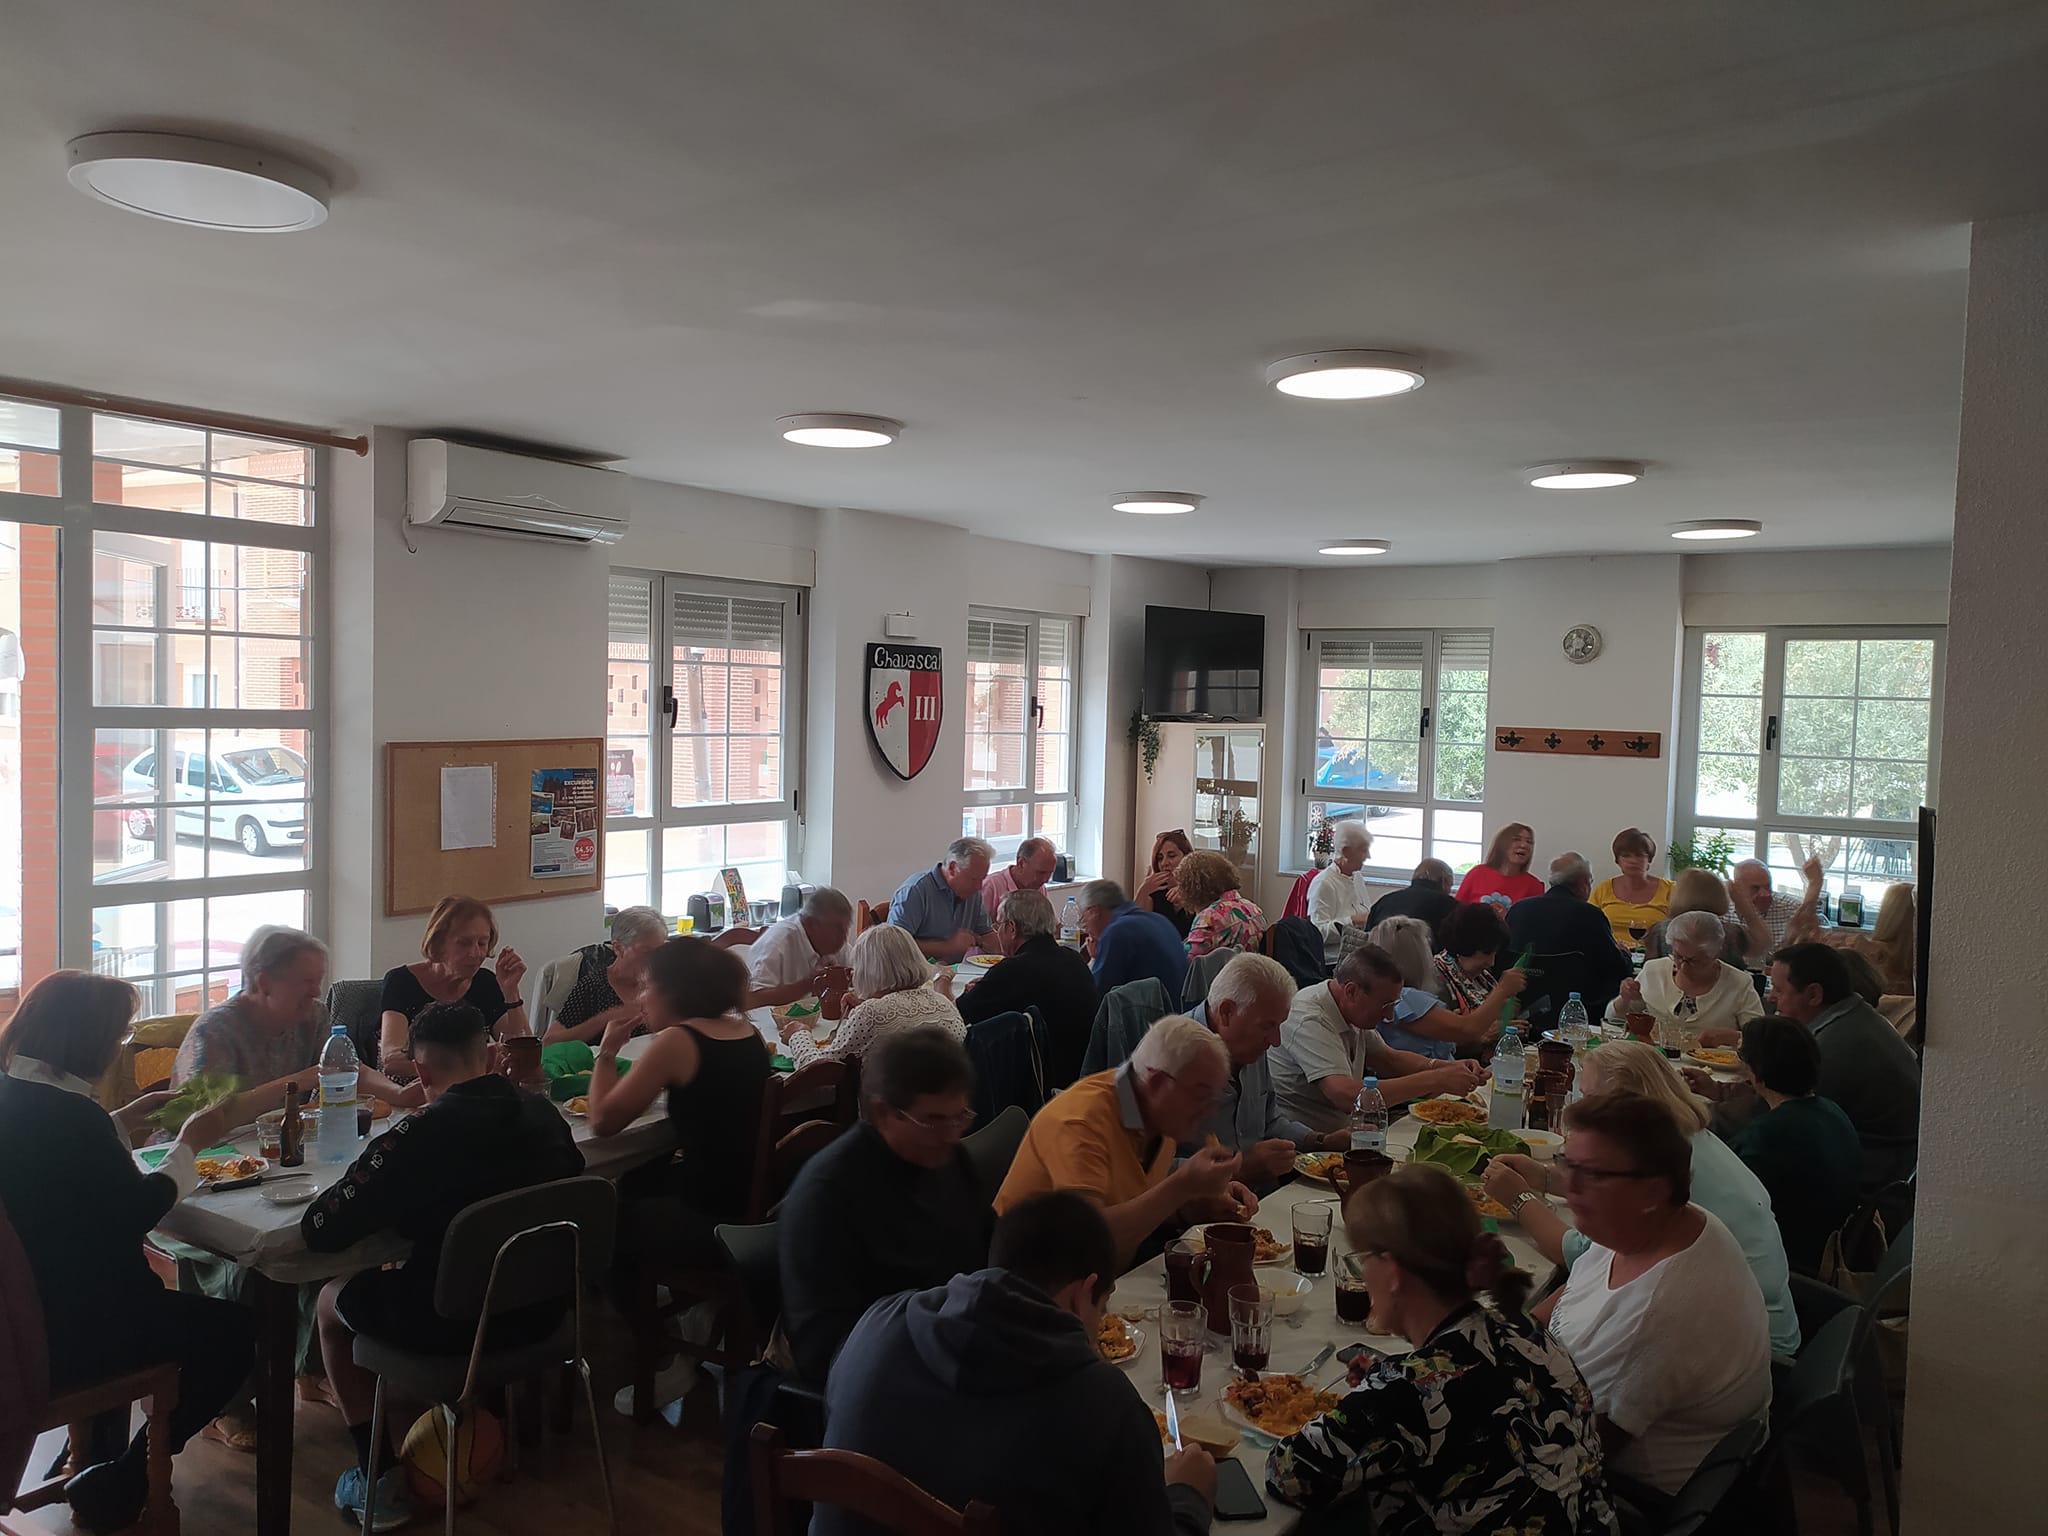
239,1224
1144,1290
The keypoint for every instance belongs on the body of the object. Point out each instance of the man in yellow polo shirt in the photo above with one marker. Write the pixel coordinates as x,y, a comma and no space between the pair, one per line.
1113,1136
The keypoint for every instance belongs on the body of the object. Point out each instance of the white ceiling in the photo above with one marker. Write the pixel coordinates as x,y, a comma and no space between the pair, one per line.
1061,239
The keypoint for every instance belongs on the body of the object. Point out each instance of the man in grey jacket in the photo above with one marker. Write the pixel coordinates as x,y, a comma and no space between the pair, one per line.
990,1387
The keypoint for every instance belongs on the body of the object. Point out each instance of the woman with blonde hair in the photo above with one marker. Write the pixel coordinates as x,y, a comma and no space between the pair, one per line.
1504,878
1700,890
1484,1425
1722,1183
892,990
80,1208
1891,944
1205,883
1420,1022
1634,899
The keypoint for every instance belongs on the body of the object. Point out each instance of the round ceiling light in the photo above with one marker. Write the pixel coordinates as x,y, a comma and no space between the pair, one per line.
1346,375
1584,474
1156,503
1356,547
831,430
200,182
1718,528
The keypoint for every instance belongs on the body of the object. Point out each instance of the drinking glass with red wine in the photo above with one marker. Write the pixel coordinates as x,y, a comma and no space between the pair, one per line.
1251,1327
1312,1222
1182,1326
1354,1302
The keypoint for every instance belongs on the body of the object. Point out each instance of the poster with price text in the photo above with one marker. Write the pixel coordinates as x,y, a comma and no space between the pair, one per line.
564,826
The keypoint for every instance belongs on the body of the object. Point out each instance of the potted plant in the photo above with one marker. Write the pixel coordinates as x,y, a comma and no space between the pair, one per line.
1144,735
1713,852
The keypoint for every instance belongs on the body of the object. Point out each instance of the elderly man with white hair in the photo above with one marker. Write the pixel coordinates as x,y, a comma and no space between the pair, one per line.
1771,918
1113,1137
799,956
1246,1005
1572,941
582,993
1693,985
941,908
1336,902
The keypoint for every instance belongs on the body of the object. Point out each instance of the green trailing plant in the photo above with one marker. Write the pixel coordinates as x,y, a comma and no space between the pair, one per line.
1144,735
1713,852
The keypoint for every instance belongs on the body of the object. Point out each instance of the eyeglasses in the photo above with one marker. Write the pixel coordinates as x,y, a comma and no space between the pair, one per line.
945,1125
1583,1172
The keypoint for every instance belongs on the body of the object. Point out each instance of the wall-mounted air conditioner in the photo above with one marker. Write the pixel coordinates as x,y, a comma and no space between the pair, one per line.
482,490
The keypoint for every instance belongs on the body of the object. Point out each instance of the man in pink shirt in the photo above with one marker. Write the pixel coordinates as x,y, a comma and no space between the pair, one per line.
1035,856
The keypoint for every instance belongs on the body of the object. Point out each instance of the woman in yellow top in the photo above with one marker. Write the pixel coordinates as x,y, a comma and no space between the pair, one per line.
1635,898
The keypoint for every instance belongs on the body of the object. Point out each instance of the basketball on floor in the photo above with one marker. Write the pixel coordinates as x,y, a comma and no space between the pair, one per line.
479,1452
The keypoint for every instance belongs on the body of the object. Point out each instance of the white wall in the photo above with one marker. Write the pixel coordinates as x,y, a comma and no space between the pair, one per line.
1977,1378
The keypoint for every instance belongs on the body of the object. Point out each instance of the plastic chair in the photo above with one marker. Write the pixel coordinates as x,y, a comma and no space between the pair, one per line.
858,1484
1722,1488
992,1149
359,1006
1816,1303
515,1250
1817,1418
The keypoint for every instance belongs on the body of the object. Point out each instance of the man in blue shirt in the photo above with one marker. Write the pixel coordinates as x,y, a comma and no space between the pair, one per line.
1129,943
1247,1003
942,906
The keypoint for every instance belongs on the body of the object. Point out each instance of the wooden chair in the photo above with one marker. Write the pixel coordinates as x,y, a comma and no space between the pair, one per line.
27,1409
732,938
858,1484
867,914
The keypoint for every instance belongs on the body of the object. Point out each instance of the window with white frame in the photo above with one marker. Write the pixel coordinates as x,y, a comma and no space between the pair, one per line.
159,804
1019,738
1396,723
703,709
1812,742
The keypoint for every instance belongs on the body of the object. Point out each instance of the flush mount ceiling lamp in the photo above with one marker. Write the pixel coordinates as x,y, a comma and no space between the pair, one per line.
1156,503
1346,375
1584,474
827,429
1356,547
203,183
1718,528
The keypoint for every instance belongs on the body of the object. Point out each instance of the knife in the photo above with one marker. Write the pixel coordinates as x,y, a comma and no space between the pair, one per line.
1172,1419
1316,1364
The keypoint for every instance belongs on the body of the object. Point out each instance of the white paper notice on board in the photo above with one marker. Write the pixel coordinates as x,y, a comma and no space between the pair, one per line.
469,807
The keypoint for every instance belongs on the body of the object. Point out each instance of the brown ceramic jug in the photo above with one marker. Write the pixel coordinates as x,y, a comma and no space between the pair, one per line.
1226,1261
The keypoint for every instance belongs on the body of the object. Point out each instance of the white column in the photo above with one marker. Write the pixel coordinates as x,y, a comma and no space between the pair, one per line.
1978,1372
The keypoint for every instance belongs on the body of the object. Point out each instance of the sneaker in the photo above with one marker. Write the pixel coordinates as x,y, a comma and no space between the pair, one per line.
394,1497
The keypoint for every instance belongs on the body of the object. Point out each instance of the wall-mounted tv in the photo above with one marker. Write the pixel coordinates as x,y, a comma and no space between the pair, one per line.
1203,665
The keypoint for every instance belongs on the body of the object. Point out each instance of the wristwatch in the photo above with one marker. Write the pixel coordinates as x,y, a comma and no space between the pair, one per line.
1515,1205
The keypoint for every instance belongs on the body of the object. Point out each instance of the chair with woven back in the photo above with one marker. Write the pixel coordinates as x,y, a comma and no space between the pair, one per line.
858,1484
27,1409
146,1058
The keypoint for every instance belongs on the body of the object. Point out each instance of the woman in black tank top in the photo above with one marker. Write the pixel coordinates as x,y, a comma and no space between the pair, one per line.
714,1065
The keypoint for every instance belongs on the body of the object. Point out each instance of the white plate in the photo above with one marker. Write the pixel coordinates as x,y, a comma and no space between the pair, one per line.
1712,1066
1137,1337
289,1191
1251,1431
984,962
262,1166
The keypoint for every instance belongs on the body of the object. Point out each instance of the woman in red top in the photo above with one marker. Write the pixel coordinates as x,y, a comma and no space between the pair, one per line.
1504,878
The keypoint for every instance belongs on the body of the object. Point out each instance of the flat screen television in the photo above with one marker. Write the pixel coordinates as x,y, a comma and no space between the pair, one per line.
1202,665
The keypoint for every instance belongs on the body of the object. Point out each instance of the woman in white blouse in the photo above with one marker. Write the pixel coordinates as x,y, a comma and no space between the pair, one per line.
1692,985
891,991
1335,903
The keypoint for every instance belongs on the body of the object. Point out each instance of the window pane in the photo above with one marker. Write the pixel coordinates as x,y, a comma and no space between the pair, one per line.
135,485
27,472
1741,840
691,858
1732,664
725,665
1883,791
260,458
1001,825
1049,819
162,591
1396,835
1892,728
1731,725
259,502
1460,772
1455,838
231,803
696,770
148,442
754,770
1870,864
626,881
23,425
1820,667
1055,756
1727,786
1900,669
1394,766
1812,727
1813,786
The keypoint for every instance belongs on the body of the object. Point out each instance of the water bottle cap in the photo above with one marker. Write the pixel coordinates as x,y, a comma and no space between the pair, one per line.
339,1029
1573,998
1371,1082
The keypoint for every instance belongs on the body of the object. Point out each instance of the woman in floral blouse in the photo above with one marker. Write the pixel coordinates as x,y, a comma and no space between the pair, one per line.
1484,1426
1205,883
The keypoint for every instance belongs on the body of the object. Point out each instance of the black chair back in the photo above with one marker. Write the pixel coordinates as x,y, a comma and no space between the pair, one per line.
520,1248
1723,1479
757,1261
1009,1053
1891,1282
992,1149
1816,1302
359,1006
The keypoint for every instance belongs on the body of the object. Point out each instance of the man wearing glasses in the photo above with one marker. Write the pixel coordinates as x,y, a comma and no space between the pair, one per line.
892,1205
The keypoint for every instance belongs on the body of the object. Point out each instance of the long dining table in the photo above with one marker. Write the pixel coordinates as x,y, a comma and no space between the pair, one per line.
263,1239
1296,1339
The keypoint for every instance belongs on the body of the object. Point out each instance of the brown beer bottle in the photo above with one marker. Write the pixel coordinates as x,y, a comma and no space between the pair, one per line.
291,1136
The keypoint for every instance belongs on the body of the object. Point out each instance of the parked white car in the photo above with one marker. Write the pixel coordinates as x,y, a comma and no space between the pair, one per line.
258,796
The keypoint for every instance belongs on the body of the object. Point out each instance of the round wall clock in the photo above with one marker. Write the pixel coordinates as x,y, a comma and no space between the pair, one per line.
1581,644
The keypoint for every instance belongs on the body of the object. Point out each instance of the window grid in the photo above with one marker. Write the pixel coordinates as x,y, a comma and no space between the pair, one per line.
1018,740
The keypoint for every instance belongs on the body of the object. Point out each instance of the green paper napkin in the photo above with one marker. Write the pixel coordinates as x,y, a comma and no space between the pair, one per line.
153,1156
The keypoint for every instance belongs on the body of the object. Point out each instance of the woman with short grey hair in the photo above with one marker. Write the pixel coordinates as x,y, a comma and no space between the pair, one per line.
582,993
891,991
1337,901
1692,988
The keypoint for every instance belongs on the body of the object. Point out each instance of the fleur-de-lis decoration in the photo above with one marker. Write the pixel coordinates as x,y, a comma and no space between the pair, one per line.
1597,743
1553,741
1637,743
1511,738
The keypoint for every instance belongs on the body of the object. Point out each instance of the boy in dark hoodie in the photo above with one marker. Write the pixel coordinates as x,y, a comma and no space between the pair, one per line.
478,1136
990,1387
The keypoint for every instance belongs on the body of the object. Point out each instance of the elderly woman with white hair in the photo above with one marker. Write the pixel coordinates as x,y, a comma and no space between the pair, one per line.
582,993
891,991
1336,901
1420,1022
1692,986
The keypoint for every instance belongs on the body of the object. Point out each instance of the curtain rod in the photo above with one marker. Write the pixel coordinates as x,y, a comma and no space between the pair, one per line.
184,416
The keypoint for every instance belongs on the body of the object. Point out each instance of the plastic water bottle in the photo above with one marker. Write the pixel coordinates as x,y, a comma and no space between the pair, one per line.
1504,1110
1572,1025
1369,1118
335,1140
1070,921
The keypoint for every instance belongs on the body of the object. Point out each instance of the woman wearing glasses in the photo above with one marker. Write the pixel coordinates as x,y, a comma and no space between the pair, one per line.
1722,1184
1660,1314
1692,985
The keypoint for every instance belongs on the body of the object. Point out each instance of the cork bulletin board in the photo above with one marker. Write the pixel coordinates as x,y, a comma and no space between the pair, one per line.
418,871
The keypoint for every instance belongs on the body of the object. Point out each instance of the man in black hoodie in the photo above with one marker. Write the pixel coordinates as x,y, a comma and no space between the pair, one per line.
478,1136
990,1387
